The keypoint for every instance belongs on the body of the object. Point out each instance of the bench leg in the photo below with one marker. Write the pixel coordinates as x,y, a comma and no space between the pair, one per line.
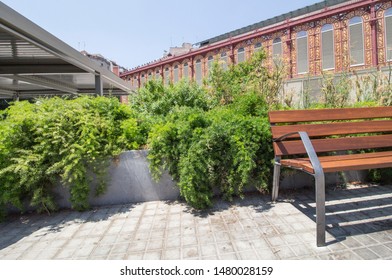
320,209
275,184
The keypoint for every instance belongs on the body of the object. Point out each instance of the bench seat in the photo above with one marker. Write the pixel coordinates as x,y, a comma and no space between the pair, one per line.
302,139
343,162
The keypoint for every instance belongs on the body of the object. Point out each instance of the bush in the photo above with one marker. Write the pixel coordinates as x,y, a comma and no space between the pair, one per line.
60,140
155,101
222,143
223,149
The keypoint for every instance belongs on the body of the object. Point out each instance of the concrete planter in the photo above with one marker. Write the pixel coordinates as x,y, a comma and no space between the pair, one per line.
129,181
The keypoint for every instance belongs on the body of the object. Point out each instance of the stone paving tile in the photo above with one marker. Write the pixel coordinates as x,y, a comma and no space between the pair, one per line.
301,250
366,254
171,254
351,242
135,256
266,254
190,252
358,219
152,255
248,255
230,256
208,250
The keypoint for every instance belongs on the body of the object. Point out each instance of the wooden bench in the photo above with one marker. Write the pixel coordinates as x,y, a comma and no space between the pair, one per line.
305,140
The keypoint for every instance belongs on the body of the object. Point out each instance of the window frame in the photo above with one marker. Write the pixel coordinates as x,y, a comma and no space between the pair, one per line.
387,14
185,74
351,23
166,76
301,35
323,30
257,47
223,57
242,52
275,58
176,73
198,71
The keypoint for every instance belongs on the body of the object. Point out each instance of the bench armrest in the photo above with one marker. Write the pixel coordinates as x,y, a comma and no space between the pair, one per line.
285,136
312,155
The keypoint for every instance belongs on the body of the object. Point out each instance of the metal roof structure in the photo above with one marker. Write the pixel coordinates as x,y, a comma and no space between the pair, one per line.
297,13
35,63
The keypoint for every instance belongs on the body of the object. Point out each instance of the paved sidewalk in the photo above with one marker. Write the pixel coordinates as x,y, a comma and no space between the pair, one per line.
359,227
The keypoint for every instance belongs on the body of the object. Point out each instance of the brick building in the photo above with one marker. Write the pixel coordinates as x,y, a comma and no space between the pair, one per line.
333,35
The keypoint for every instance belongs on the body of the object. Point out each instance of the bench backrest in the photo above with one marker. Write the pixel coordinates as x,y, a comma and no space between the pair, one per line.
331,129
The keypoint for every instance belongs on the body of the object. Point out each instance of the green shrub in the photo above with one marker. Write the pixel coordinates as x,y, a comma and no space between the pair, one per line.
223,144
220,150
56,140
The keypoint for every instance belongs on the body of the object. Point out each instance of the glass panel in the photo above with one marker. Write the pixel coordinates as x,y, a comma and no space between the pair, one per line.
157,75
175,74
388,34
167,76
356,42
327,27
224,61
355,20
388,12
210,62
257,47
186,71
277,51
302,52
240,55
327,48
198,72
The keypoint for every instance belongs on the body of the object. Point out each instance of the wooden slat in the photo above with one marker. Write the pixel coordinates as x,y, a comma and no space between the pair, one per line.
292,116
344,162
316,130
296,147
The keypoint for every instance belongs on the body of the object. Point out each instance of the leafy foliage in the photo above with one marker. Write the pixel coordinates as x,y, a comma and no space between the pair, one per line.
224,146
56,140
155,101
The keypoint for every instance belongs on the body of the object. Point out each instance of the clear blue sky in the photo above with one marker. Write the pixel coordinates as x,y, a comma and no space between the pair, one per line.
133,32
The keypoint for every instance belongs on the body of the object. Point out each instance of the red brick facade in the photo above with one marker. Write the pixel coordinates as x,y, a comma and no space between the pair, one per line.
371,12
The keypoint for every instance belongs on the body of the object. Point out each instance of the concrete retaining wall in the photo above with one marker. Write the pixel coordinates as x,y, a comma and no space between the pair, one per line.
129,181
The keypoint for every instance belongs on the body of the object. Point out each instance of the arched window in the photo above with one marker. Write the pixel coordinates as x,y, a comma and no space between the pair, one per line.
167,76
157,75
388,33
210,62
277,51
185,71
257,47
240,55
175,74
223,60
142,80
357,56
135,83
198,71
327,47
150,76
302,52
